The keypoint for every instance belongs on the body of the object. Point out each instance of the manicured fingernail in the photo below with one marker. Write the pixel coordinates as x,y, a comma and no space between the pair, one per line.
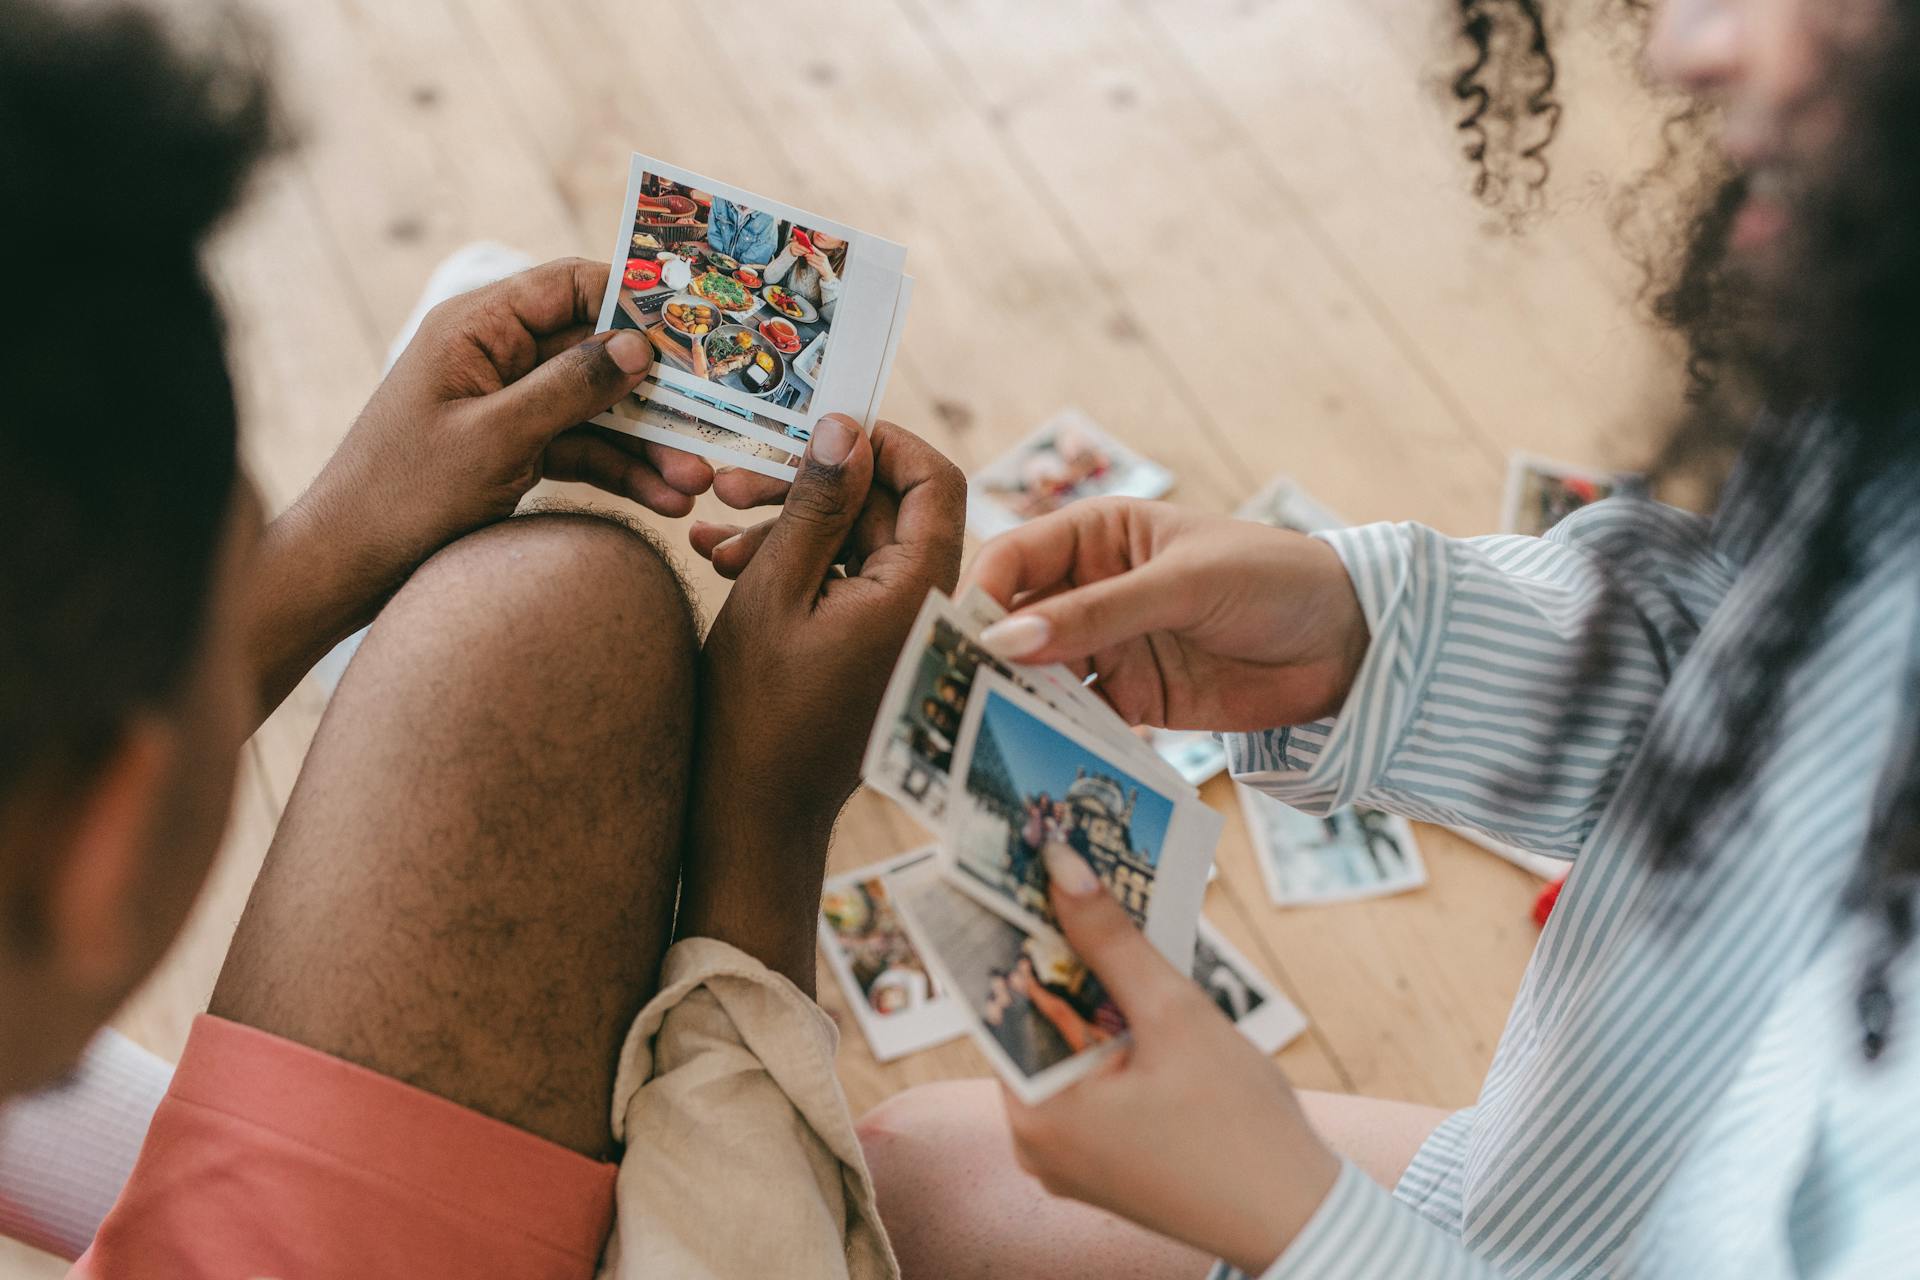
1071,874
630,351
832,441
1016,637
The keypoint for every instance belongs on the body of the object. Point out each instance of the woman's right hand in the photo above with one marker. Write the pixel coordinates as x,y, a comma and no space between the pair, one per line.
1190,621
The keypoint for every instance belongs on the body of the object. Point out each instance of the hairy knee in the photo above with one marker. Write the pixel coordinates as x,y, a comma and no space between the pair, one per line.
572,586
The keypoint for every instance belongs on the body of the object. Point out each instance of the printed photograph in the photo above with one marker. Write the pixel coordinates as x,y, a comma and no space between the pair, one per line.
1254,1005
1541,493
732,296
1196,757
894,998
910,754
654,420
1067,459
1040,1017
1026,783
1283,504
1350,854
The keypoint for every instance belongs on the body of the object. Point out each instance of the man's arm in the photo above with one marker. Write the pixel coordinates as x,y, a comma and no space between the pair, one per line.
486,400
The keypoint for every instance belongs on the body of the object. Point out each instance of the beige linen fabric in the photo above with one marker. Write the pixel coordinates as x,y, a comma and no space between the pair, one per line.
741,1160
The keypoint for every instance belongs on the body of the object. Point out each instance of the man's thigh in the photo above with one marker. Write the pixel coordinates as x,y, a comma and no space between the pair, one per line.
472,885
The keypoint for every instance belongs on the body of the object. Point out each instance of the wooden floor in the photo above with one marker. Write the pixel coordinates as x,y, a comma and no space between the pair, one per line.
1061,173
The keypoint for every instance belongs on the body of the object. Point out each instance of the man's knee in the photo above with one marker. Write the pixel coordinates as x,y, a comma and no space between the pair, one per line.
556,603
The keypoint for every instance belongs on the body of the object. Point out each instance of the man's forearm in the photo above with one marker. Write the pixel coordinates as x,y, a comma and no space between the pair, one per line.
314,588
755,886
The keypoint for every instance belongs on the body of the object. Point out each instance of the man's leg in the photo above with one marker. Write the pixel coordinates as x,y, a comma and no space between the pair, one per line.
472,886
957,1204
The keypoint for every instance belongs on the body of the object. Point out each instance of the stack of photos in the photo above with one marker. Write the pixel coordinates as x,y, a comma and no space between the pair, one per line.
1004,766
902,1007
894,998
1541,493
1066,459
1348,855
763,318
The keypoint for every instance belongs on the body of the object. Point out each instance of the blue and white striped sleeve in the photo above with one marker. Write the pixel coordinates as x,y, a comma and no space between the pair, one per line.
1359,1230
1469,709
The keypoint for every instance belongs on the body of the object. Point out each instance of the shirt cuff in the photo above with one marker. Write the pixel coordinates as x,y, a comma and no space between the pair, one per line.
1359,1230
1328,764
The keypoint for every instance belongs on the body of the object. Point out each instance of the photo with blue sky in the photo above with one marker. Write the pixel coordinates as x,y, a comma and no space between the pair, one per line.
1041,758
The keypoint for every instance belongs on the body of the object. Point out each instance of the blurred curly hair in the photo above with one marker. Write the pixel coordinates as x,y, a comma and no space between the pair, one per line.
1810,367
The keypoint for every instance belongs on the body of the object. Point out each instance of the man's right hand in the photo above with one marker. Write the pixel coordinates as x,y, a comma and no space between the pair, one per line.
1191,621
793,671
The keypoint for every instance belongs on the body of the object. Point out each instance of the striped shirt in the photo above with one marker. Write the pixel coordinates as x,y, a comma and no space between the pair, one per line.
1679,1091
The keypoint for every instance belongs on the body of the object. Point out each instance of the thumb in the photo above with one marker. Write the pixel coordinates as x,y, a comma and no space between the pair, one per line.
821,508
1104,936
585,379
1084,621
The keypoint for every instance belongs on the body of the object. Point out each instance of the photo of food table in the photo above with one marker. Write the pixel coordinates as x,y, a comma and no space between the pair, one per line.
713,317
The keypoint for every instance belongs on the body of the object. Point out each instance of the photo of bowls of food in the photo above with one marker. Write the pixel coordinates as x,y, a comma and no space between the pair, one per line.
738,300
691,317
739,358
781,333
725,293
790,304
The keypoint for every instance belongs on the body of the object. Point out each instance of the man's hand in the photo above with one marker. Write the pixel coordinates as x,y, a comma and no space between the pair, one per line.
1192,621
792,675
488,397
1194,1133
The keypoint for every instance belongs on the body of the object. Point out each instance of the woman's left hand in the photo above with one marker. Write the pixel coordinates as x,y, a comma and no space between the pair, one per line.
1193,1133
821,263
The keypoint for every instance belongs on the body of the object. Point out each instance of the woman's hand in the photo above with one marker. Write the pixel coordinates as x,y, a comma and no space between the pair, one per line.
792,674
1191,621
1193,1133
821,263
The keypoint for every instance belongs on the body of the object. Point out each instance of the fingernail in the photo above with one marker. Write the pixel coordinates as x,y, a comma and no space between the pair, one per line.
1016,637
723,544
1071,874
630,351
832,441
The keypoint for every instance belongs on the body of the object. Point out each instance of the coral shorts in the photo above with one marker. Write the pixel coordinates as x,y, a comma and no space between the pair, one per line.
270,1159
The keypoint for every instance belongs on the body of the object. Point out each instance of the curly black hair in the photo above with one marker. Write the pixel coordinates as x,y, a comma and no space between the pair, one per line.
1812,363
120,152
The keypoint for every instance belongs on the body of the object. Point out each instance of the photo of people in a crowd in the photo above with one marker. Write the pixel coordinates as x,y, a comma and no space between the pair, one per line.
1030,785
1039,1006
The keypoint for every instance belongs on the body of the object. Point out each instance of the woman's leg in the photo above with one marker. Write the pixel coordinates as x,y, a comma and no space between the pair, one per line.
957,1205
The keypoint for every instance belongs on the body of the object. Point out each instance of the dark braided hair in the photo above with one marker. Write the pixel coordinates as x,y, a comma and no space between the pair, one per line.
1811,368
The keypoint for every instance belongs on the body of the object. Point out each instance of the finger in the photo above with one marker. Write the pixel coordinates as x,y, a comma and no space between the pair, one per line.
932,497
1140,980
1073,625
704,535
820,510
580,382
731,557
690,473
1035,556
548,345
552,296
743,490
584,455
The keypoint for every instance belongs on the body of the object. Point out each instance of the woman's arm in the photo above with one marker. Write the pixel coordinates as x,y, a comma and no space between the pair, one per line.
782,264
1471,708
